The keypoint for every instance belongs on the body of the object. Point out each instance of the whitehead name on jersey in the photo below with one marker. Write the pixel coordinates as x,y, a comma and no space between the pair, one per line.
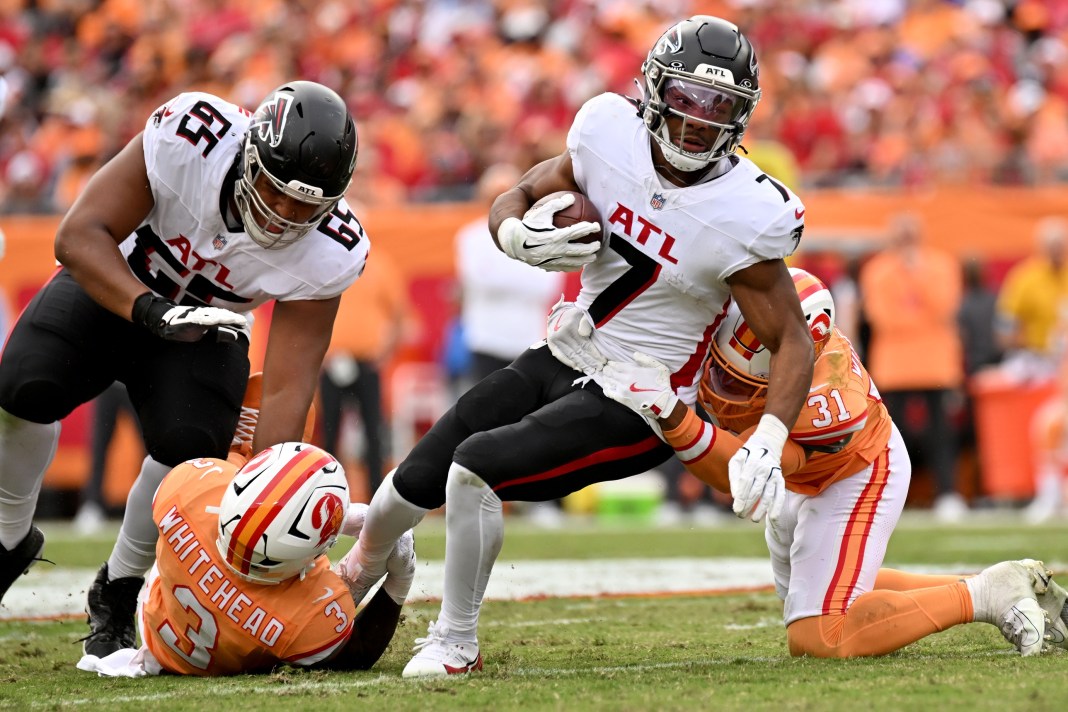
186,252
658,284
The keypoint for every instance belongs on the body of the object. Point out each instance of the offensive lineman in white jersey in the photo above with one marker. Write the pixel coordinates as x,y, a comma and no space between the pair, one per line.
688,226
208,213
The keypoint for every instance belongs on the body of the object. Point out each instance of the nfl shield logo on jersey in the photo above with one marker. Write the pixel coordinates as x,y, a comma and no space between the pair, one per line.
657,201
219,242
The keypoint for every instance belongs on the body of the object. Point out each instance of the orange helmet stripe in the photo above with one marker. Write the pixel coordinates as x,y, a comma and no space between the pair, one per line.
745,342
807,285
272,499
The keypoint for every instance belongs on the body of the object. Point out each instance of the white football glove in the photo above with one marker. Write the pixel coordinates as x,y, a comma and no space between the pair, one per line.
643,386
569,332
400,565
355,515
400,568
537,242
755,472
169,321
349,571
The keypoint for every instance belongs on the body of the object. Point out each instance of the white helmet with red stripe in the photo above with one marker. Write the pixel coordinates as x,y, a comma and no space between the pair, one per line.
282,511
736,376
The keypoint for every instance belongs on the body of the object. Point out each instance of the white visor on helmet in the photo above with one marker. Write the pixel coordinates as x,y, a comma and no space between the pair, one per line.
720,106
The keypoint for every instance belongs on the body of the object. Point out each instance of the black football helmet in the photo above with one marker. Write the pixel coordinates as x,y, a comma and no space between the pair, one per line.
704,71
302,139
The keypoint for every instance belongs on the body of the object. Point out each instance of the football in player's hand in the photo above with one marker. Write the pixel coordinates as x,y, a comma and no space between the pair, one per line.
582,210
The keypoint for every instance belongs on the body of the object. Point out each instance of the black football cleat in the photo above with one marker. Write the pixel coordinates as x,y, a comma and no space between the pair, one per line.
17,561
111,608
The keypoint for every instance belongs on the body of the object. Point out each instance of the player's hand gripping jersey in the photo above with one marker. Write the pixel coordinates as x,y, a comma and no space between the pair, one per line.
664,241
207,621
187,251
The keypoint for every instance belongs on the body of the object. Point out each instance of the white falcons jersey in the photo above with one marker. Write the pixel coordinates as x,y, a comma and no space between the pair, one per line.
658,284
184,249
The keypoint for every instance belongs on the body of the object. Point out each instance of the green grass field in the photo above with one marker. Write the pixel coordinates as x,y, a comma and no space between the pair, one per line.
722,652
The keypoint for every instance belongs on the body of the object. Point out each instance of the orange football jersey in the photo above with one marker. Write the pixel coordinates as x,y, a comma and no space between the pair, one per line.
842,403
202,619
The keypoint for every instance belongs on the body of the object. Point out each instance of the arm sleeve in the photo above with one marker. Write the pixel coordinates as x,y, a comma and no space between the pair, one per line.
705,450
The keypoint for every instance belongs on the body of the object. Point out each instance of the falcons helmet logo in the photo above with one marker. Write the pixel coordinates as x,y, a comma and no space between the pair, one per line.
271,119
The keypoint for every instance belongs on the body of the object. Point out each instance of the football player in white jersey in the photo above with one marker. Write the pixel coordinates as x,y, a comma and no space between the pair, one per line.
687,226
209,212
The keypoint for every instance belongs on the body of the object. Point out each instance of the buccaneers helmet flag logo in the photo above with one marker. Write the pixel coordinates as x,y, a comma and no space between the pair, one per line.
271,118
327,516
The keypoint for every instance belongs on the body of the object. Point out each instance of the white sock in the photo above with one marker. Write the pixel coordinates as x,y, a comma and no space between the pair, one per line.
979,612
388,517
135,549
474,526
26,451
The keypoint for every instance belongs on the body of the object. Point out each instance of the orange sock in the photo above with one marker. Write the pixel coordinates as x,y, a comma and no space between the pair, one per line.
881,622
894,580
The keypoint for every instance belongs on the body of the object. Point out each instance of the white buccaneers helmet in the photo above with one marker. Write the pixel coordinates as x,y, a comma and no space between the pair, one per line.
735,381
282,511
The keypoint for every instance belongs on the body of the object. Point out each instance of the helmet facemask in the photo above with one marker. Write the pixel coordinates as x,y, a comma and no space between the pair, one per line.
735,399
673,95
266,227
301,144
734,386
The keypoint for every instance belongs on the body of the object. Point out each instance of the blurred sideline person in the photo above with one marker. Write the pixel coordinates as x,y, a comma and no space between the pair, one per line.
1049,443
372,321
209,212
976,320
1032,304
503,302
847,474
107,407
688,224
911,293
241,581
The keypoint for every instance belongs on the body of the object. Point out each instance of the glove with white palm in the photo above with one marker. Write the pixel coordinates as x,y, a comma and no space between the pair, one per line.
536,241
400,568
644,386
569,332
169,321
755,472
355,516
400,565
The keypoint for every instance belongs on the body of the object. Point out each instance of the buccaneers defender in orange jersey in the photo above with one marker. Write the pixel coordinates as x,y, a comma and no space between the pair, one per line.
846,473
241,581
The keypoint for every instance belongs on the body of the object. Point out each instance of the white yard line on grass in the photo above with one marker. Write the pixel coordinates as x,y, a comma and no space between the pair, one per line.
47,592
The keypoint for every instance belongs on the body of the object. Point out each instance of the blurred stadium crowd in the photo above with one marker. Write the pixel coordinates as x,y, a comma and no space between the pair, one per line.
880,92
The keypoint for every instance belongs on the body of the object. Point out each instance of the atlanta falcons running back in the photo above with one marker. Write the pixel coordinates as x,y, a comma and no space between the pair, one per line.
688,226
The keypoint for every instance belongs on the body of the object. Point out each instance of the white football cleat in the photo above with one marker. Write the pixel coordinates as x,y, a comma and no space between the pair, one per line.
436,658
1051,596
1003,595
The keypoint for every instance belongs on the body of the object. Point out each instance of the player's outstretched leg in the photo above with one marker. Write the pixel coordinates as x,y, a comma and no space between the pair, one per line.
474,526
20,558
1004,596
111,609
